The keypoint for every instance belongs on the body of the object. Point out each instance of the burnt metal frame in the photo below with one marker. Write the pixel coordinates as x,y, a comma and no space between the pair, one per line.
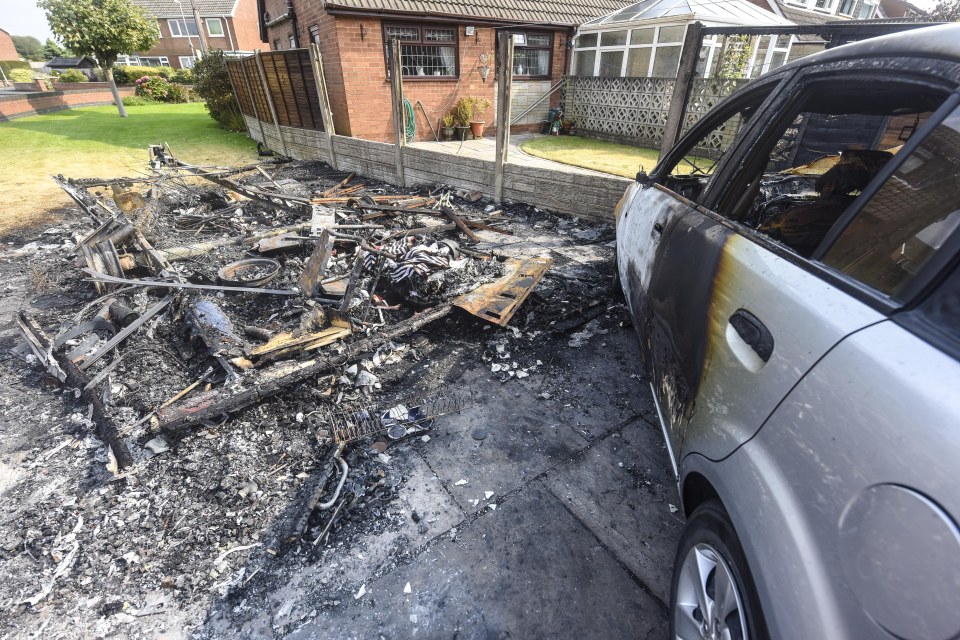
833,34
420,42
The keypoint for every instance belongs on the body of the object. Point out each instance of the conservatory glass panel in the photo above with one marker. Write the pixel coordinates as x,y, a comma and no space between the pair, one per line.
610,64
641,36
670,34
585,60
613,38
666,63
638,62
587,40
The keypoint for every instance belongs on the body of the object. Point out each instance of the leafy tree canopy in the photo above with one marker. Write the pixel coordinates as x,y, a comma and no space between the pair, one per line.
52,50
103,29
28,47
945,11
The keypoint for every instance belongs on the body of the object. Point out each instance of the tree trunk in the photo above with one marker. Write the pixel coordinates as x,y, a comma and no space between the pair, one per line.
116,92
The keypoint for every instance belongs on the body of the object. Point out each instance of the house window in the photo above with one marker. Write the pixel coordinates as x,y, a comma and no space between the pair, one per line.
424,51
183,28
315,35
532,60
155,61
868,10
186,62
276,44
847,7
214,27
633,53
824,5
292,41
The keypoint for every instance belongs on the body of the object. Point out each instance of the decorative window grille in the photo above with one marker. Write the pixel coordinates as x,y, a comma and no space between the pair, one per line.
424,51
532,60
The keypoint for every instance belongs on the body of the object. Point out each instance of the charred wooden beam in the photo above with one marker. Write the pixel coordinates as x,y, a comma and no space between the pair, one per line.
269,382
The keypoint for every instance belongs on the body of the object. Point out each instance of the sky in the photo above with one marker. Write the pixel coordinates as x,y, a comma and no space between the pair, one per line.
24,18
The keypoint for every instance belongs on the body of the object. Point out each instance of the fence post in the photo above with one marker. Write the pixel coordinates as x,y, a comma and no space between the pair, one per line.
681,90
321,80
396,95
269,97
504,86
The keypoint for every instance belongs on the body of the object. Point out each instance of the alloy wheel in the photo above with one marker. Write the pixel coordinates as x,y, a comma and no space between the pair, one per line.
708,604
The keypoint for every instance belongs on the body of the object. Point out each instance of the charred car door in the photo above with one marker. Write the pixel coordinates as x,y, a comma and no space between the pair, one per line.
732,308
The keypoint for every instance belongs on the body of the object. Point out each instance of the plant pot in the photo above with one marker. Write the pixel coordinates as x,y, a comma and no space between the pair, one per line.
476,128
462,133
446,133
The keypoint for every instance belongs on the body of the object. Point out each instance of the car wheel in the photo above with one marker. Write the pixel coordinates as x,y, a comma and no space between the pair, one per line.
713,595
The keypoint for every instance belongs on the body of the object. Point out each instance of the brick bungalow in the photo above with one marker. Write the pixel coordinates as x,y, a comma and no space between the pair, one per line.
7,50
447,50
230,25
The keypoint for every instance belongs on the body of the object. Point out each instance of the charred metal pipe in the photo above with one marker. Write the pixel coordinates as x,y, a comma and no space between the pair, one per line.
344,470
122,314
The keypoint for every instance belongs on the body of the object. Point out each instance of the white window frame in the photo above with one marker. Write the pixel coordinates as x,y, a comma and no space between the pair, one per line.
218,21
853,8
178,21
190,59
873,14
772,49
626,48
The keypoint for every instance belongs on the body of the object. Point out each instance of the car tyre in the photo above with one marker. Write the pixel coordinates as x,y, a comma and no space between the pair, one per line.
713,594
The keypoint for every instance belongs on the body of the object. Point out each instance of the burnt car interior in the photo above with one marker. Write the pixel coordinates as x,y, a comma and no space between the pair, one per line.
812,165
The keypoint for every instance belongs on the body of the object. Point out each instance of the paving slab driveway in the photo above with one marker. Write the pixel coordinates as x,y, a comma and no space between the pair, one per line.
577,538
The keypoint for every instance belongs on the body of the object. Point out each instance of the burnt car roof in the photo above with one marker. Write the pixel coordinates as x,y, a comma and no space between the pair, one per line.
939,41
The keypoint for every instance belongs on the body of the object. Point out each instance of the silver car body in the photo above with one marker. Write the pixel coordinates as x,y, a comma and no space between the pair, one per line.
837,456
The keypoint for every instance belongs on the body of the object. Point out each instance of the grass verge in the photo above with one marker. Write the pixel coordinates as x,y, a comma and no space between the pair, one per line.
95,142
608,157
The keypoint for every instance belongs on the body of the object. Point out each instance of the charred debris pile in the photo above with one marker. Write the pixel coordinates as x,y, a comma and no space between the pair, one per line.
276,299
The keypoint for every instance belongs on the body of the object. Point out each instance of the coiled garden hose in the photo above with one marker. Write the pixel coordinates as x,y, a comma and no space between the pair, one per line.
410,121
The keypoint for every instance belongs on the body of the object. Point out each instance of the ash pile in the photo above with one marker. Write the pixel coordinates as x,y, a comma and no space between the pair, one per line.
239,349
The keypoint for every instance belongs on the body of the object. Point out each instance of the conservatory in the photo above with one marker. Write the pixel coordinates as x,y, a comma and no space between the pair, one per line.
644,40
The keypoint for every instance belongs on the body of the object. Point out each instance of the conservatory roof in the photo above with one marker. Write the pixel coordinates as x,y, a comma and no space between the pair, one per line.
709,12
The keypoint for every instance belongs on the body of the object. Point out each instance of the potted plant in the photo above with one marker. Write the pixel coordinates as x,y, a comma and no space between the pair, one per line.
569,127
476,125
462,115
446,128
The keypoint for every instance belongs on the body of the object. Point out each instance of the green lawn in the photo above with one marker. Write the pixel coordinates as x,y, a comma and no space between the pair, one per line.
95,142
609,157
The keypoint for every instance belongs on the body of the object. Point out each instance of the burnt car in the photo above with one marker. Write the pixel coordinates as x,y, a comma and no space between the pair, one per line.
791,266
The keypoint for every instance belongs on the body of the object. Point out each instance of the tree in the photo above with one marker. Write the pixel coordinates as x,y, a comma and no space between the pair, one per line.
52,50
945,11
103,29
28,47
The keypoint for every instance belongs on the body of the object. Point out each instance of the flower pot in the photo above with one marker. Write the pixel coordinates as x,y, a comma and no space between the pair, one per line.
446,133
476,128
462,133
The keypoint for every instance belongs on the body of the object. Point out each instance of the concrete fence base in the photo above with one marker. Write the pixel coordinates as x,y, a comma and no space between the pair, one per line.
576,194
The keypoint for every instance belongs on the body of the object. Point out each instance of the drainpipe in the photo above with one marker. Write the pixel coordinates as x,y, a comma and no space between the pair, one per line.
293,23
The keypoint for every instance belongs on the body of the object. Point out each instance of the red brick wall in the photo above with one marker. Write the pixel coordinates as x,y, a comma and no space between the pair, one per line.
26,105
7,50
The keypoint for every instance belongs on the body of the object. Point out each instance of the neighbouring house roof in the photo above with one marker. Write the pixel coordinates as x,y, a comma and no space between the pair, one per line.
709,12
170,9
559,12
70,63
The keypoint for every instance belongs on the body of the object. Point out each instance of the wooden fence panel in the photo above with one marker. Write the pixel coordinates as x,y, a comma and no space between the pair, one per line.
237,77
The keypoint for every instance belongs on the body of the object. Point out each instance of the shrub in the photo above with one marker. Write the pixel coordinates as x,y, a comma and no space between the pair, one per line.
73,75
128,74
182,76
178,93
153,88
136,101
463,112
212,84
21,75
9,65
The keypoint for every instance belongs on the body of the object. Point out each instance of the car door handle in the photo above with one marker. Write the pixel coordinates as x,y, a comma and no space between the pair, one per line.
753,332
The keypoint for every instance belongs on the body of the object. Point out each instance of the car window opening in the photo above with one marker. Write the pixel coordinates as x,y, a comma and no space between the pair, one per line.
838,141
